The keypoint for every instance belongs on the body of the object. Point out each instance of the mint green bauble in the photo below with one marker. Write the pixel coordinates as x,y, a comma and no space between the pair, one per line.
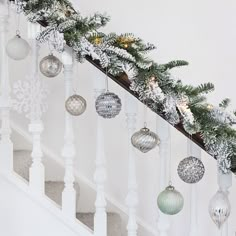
170,201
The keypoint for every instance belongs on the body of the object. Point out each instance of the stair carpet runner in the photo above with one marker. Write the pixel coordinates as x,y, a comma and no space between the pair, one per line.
53,190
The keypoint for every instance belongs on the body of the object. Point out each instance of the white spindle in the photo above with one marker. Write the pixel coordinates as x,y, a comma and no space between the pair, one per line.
68,151
163,131
37,171
132,196
100,175
6,146
193,150
225,182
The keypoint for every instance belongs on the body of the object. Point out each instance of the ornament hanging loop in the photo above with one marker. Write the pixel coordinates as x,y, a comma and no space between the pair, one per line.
107,89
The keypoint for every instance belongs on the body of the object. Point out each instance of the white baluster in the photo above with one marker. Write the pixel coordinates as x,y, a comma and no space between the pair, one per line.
193,150
37,171
100,175
225,182
163,131
6,146
68,151
132,196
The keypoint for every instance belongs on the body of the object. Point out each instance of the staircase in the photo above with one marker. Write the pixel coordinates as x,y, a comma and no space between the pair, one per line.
53,189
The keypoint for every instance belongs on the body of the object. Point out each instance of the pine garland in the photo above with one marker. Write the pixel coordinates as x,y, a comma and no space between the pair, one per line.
153,82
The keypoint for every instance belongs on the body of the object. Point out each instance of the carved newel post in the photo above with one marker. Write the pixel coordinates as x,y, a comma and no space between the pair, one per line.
6,146
163,131
68,151
132,196
100,175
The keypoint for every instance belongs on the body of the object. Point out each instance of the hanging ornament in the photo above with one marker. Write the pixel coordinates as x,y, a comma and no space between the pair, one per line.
145,140
17,48
191,170
219,208
76,105
50,66
170,201
108,105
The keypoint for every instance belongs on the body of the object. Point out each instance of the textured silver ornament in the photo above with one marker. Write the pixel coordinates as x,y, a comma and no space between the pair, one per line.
170,201
219,208
108,105
50,66
76,105
191,170
145,140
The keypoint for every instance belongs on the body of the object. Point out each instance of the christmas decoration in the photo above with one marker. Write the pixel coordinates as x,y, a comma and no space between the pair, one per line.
75,105
191,170
219,208
170,201
30,97
165,95
17,48
145,140
50,66
108,105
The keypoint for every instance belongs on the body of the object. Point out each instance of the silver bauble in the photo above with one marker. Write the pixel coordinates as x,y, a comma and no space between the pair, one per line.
191,170
170,201
50,66
76,105
145,140
219,208
108,105
17,48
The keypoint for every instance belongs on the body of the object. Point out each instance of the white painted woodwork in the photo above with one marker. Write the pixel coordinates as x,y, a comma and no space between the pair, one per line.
132,196
163,131
37,171
193,150
68,151
100,175
6,146
224,183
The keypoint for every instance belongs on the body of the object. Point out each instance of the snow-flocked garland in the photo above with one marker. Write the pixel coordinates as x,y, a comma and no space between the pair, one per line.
153,82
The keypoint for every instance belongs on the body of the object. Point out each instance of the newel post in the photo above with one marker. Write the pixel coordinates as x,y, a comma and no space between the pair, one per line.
37,171
6,146
194,150
132,196
100,175
68,151
163,130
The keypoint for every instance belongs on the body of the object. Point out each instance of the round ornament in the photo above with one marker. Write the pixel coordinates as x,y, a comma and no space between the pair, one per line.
219,208
191,170
145,140
50,66
170,201
17,48
108,105
76,105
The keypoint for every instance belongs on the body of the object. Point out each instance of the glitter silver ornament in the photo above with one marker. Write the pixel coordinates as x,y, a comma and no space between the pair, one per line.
76,105
108,105
219,208
145,140
50,66
191,170
170,201
17,48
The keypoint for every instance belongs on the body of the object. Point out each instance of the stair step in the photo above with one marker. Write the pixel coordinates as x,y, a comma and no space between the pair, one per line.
113,222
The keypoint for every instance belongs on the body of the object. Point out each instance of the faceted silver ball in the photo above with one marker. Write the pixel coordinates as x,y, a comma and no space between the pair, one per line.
76,105
50,66
145,140
108,105
191,170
